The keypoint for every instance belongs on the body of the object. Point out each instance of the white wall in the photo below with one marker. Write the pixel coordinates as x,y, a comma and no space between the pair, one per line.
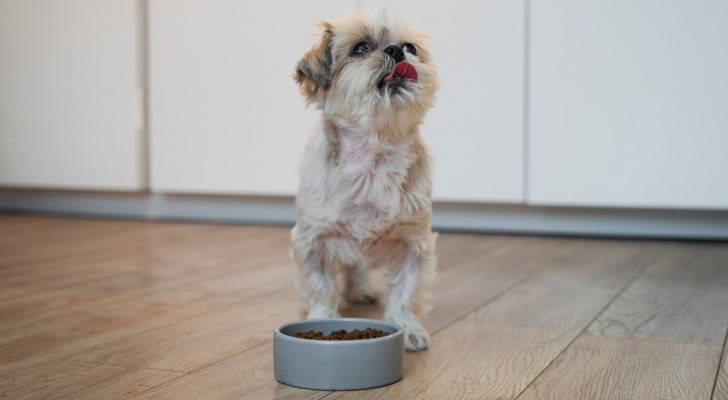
629,103
69,76
226,115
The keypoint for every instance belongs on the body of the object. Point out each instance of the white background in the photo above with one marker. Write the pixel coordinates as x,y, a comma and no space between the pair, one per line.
68,95
629,103
226,115
565,103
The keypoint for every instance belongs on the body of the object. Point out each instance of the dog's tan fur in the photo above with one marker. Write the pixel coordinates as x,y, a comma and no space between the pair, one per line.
365,191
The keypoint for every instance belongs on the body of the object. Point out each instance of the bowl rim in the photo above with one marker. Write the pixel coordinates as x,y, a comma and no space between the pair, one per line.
392,336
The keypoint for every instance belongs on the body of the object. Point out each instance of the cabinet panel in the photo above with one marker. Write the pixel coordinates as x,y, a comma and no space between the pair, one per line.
68,95
628,103
226,115
476,127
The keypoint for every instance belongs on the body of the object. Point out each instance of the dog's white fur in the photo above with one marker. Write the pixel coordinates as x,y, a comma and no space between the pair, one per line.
365,191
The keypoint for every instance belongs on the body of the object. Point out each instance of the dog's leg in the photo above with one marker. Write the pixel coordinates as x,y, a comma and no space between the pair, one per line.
359,287
408,292
317,287
316,280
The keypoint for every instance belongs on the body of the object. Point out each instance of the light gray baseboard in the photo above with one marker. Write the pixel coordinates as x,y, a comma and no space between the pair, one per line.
518,219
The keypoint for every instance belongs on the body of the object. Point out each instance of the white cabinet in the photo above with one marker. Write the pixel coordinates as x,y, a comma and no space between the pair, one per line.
226,115
629,103
626,104
476,127
68,95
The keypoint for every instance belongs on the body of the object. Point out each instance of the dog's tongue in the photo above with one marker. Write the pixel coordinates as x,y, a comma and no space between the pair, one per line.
402,69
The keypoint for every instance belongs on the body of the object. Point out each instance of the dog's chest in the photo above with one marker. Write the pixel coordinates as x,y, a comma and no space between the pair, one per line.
370,183
371,171
356,150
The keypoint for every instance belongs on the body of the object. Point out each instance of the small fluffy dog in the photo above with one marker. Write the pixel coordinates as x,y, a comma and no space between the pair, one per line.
365,190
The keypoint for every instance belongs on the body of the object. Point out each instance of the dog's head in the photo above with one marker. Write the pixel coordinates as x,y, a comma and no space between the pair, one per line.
369,72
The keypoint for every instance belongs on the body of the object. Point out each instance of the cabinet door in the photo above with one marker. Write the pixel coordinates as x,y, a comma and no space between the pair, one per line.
226,115
68,95
476,128
629,103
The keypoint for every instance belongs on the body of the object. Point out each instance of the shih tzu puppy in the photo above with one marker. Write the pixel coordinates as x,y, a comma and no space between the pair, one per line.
365,190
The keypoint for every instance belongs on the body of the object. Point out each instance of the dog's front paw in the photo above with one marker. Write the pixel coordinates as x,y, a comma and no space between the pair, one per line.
416,339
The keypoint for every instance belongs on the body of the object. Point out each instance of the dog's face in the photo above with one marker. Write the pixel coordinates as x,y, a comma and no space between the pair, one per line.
369,73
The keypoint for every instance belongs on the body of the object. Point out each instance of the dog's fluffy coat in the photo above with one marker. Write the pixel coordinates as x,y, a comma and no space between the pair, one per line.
365,190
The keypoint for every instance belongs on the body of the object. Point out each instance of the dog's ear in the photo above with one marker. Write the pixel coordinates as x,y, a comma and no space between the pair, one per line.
313,72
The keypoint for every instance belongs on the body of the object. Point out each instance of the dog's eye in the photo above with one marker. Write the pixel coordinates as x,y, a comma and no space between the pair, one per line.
360,49
410,48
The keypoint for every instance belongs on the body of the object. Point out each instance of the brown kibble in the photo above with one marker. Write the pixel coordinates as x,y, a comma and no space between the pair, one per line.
342,334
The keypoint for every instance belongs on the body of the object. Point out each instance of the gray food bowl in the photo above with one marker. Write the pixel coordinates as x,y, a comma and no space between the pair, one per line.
337,365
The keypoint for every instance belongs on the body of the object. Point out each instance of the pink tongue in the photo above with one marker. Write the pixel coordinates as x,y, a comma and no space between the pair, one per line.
402,69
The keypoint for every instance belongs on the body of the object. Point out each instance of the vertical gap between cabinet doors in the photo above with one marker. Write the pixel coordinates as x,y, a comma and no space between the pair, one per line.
526,96
142,93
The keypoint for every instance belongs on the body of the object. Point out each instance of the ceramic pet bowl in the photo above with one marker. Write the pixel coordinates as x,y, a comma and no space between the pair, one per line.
337,364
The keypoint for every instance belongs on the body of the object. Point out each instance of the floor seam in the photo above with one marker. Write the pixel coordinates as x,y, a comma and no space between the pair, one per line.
122,365
652,340
157,386
232,355
487,302
159,328
203,367
260,264
647,265
720,365
497,296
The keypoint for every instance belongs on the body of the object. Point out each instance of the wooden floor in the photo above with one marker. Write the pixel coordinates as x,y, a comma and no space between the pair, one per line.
113,310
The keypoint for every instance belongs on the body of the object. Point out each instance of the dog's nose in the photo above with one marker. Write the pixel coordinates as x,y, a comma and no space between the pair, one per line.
395,52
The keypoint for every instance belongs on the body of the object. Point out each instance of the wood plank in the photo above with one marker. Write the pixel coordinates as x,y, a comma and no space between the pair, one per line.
599,367
153,263
150,241
64,379
129,276
205,299
679,301
60,336
16,229
720,392
464,283
247,375
20,228
682,297
195,343
499,349
58,239
454,249
81,253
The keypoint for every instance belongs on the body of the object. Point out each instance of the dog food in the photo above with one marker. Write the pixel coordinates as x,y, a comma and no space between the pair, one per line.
342,334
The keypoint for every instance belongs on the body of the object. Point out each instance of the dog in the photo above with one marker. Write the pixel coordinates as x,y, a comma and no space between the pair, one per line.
365,194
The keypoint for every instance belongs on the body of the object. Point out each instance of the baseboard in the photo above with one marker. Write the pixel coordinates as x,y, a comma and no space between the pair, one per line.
517,219
584,221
